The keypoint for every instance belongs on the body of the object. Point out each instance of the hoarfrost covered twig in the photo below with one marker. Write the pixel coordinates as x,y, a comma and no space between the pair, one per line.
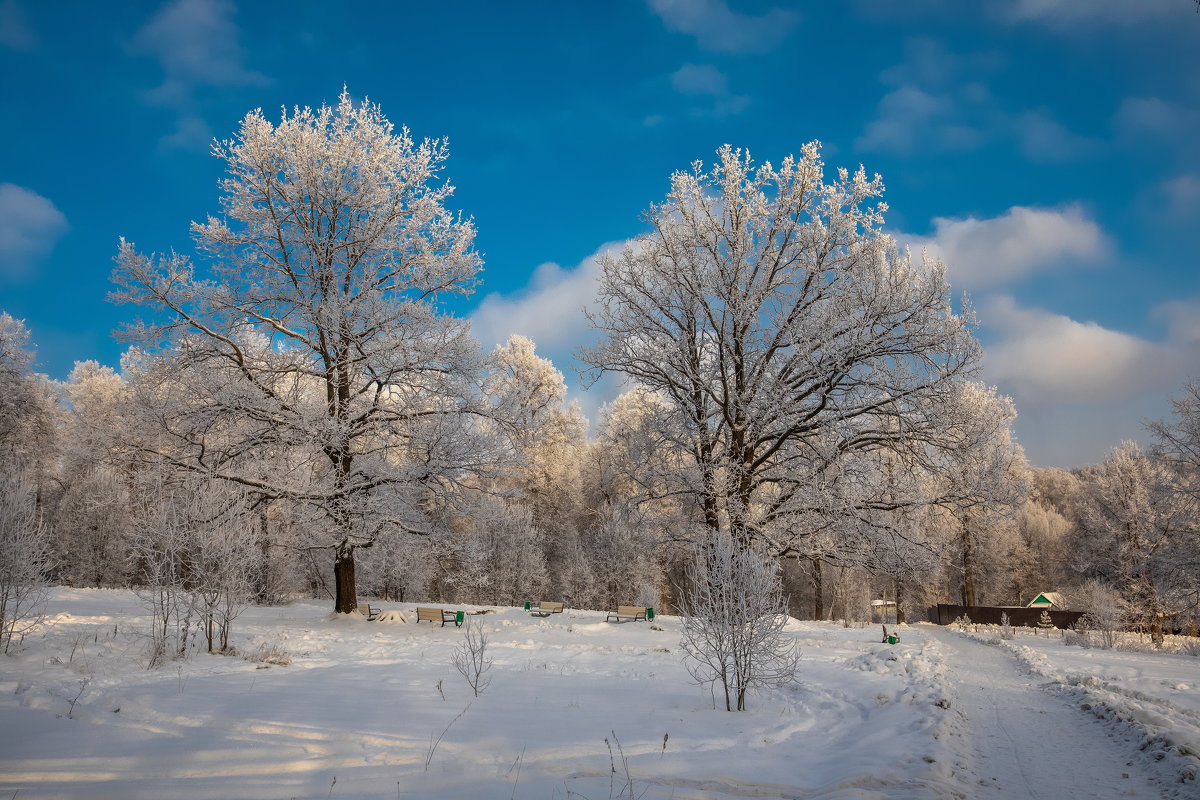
471,658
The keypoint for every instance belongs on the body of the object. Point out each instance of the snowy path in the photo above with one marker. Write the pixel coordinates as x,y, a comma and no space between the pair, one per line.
1020,741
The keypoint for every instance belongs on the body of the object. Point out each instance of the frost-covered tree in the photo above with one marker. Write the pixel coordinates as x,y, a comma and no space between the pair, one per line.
192,553
1140,535
545,434
982,482
315,362
28,406
637,460
787,335
25,555
1103,610
18,400
471,658
27,418
93,510
515,562
623,546
1044,535
1177,441
158,553
400,569
92,520
544,451
734,620
222,559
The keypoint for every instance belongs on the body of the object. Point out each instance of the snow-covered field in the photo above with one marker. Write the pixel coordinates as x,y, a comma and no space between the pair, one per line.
577,708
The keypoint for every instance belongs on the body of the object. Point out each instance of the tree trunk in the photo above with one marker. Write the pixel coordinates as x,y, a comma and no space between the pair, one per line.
968,563
899,600
346,599
818,591
262,590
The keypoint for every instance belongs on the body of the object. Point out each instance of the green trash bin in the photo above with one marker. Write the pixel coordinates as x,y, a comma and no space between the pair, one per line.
459,616
528,605
649,613
892,640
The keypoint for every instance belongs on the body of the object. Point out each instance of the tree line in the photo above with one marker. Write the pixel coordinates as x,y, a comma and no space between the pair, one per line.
300,412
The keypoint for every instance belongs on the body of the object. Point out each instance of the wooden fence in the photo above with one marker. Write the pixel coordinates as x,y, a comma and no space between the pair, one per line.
944,614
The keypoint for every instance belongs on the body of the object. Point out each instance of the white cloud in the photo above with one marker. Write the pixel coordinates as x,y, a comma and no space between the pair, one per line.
30,225
981,253
550,312
1081,388
1068,15
1043,139
1152,116
699,79
1051,358
196,42
941,103
720,29
706,81
15,32
1182,318
927,63
191,133
1182,195
909,117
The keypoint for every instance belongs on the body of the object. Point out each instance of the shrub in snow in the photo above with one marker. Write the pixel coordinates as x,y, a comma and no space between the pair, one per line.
194,554
471,658
1104,612
1077,639
734,619
270,652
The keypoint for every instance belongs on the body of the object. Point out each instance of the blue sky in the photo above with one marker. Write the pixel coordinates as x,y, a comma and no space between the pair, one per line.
1048,150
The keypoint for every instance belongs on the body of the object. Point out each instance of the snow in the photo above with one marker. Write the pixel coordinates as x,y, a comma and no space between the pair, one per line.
577,708
1152,697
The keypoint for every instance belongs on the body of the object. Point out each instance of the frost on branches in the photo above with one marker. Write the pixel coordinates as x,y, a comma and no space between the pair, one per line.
27,404
793,343
980,483
313,362
1138,533
734,619
24,555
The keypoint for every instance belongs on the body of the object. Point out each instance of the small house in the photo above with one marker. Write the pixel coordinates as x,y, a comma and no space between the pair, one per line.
1048,600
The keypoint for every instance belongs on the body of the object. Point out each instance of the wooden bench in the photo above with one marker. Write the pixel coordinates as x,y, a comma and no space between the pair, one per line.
439,615
545,608
626,612
368,611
